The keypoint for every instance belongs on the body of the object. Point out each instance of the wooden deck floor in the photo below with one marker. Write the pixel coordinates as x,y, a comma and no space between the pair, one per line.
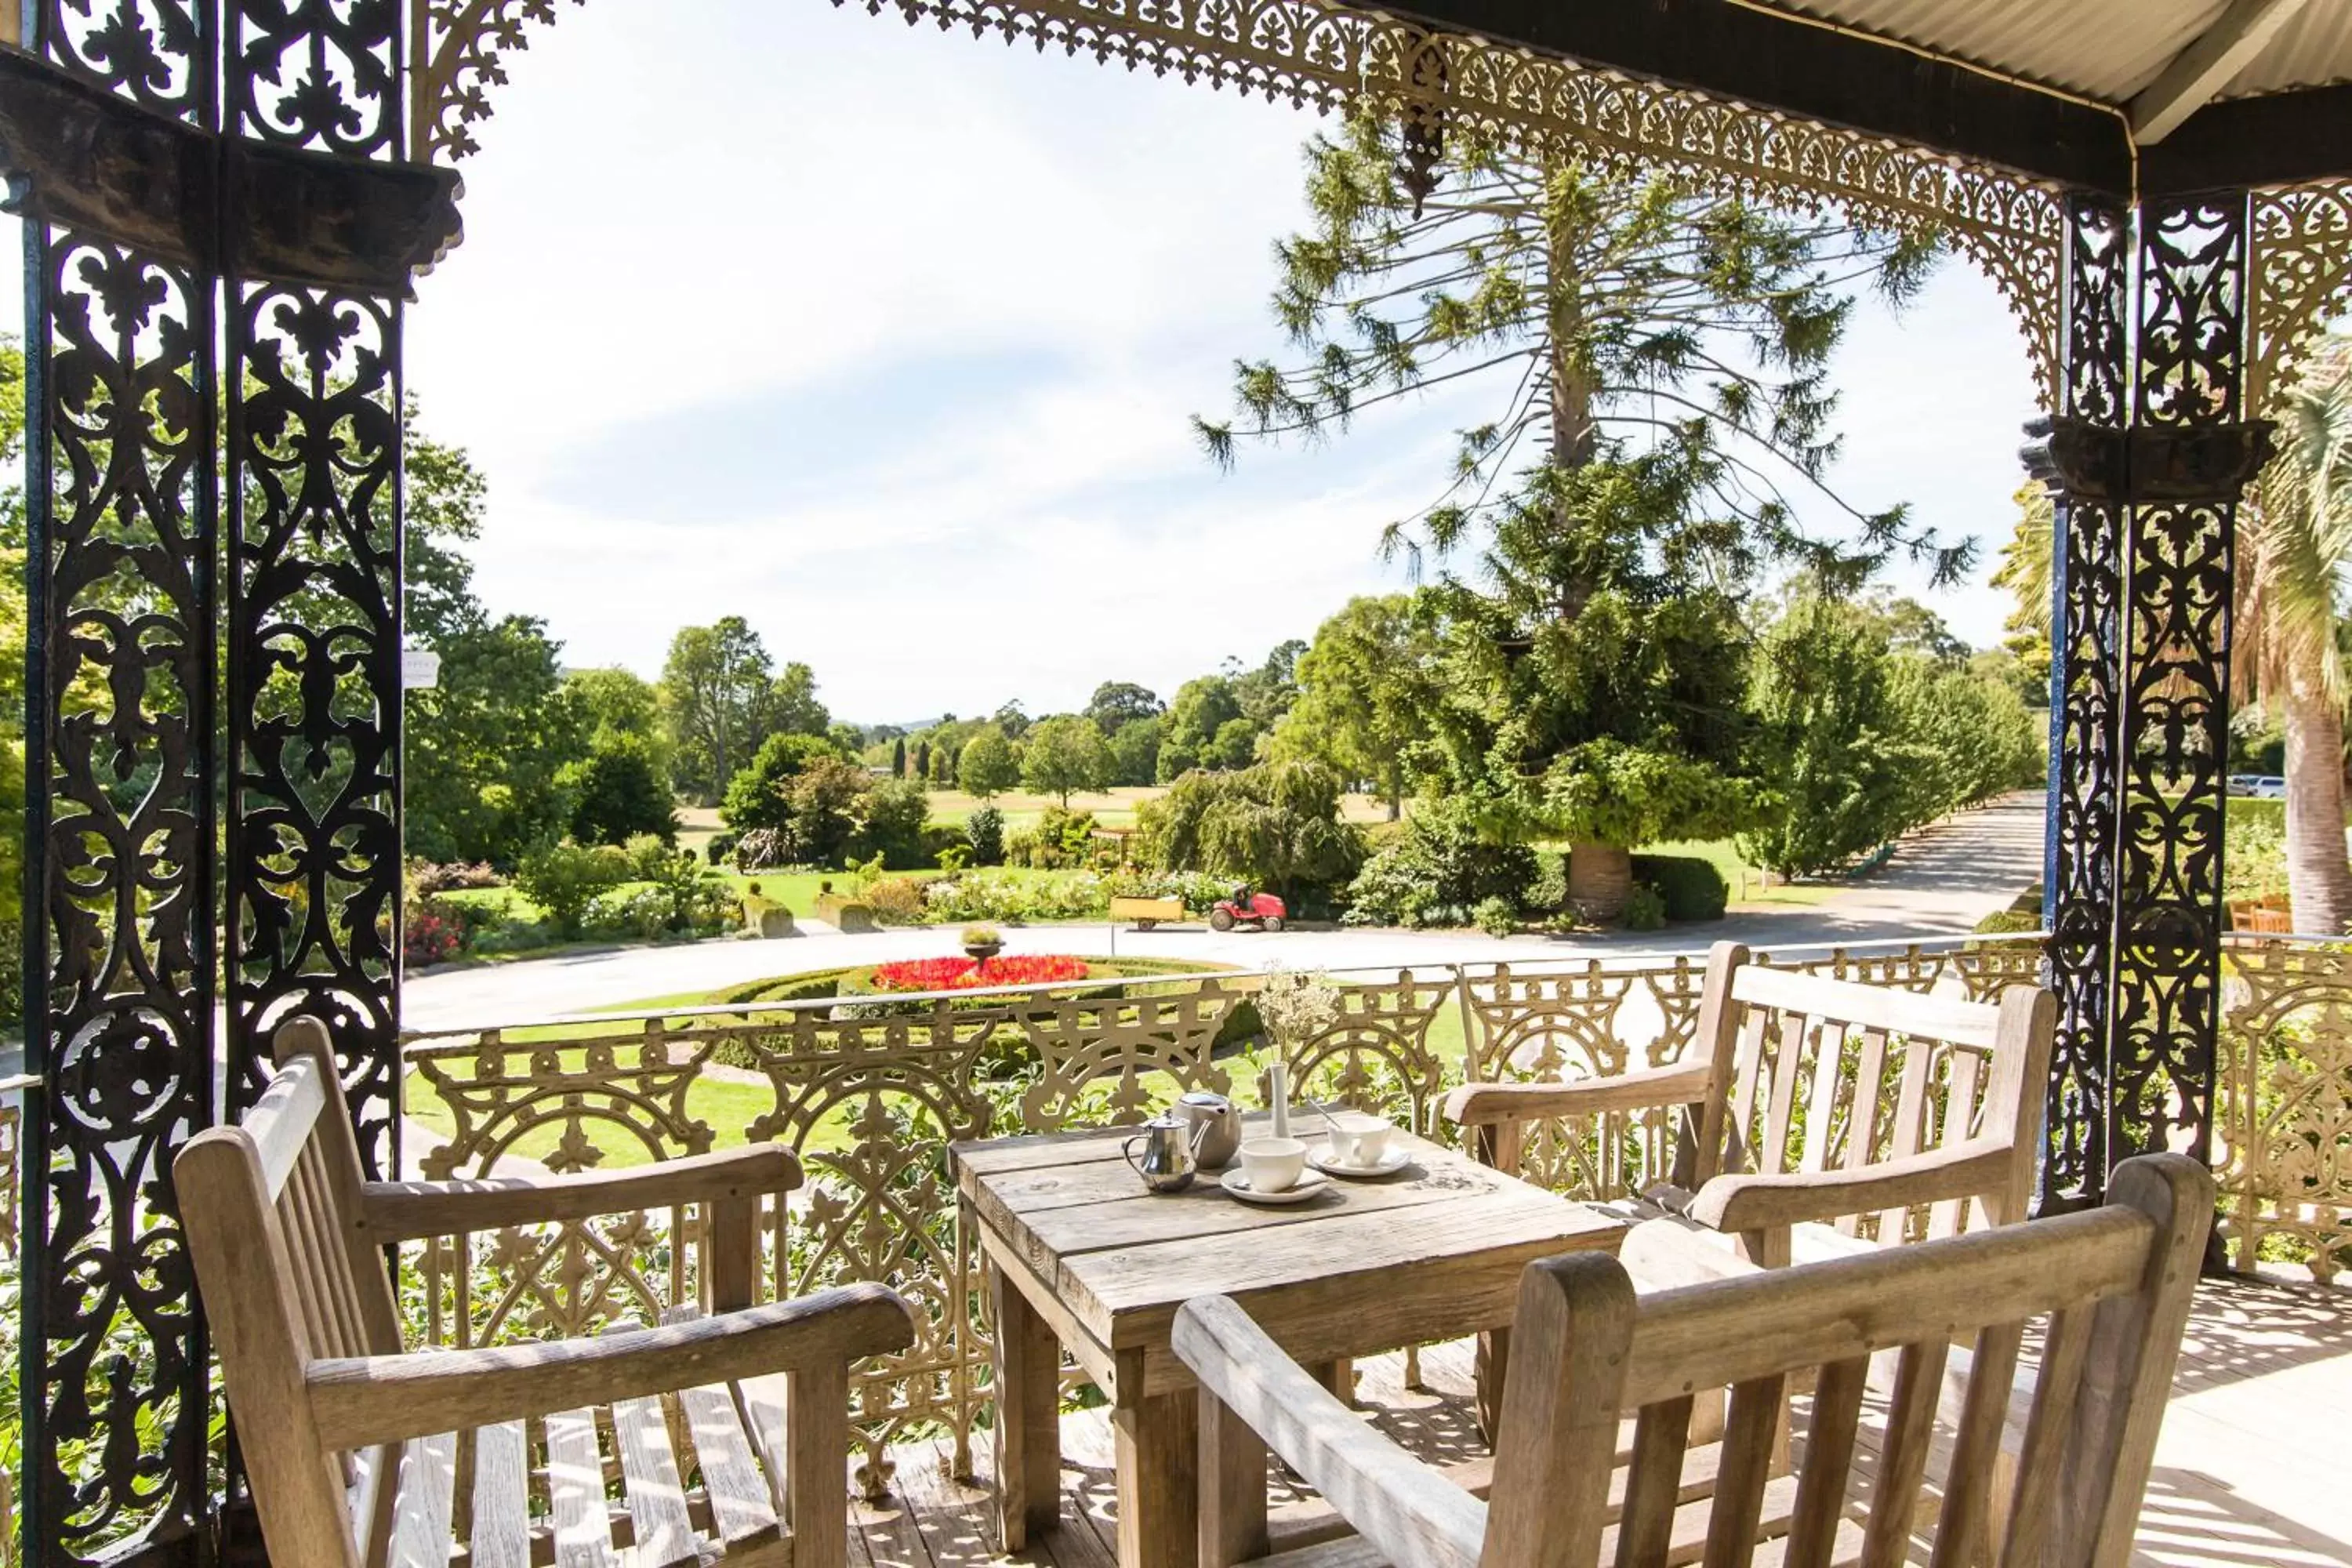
2250,1473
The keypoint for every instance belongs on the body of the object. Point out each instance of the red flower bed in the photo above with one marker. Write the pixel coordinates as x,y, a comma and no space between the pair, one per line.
963,974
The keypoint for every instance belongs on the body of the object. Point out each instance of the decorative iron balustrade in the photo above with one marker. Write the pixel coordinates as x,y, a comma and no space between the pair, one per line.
870,1091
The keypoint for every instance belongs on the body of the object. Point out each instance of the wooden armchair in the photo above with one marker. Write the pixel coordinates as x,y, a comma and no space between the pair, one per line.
362,1455
1817,1112
1597,1463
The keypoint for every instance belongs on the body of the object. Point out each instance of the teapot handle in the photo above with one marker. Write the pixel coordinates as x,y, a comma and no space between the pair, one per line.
1127,1153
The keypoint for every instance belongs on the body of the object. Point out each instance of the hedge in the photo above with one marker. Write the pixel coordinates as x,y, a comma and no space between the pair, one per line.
1691,886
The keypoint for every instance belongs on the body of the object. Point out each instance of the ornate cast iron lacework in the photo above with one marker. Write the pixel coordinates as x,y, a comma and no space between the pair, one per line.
120,906
2301,267
2188,380
2086,649
314,684
155,53
1326,59
322,74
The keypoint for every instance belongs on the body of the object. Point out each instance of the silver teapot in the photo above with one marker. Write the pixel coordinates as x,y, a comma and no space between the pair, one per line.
1167,1165
1216,1126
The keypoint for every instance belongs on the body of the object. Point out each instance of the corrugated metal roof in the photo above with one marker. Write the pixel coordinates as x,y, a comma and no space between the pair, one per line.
2104,50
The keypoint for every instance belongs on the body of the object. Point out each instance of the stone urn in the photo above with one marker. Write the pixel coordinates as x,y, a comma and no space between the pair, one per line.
981,952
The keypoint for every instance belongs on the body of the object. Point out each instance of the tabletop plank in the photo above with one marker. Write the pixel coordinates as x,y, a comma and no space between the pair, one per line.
1116,1283
1126,1217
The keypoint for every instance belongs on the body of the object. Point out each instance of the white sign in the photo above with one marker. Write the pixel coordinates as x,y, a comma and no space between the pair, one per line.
420,670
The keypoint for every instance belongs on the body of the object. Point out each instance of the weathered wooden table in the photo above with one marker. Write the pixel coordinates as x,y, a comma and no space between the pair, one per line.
1079,1256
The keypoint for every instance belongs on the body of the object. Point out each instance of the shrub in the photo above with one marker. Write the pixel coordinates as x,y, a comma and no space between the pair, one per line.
454,876
894,900
618,791
1013,900
984,831
1441,864
762,849
1645,909
1061,840
429,934
563,878
640,916
757,797
1496,916
982,936
649,855
940,837
1690,886
890,819
1276,826
1549,892
722,845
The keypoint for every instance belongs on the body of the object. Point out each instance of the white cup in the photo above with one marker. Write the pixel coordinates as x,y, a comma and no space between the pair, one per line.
1358,1140
1273,1165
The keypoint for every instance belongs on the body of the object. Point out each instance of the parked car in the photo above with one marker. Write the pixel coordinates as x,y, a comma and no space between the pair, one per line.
2270,787
2242,783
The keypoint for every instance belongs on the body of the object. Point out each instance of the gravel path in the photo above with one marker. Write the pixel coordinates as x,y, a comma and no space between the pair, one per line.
1941,881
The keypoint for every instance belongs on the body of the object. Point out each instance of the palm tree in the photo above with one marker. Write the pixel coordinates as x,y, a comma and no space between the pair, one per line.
2295,559
2295,555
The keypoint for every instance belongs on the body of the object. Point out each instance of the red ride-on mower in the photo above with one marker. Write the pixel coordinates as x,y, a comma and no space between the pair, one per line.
1262,911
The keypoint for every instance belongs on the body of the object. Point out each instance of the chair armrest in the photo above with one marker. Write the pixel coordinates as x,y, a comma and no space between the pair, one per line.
406,1211
1415,1516
1483,1104
1745,1203
363,1401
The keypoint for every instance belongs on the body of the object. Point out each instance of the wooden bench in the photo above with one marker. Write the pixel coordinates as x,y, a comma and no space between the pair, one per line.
1598,1462
362,1455
1821,1114
1147,912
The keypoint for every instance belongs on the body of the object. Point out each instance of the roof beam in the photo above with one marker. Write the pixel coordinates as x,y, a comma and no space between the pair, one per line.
2209,64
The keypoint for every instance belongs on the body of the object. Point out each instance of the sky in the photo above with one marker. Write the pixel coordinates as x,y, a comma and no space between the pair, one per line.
887,339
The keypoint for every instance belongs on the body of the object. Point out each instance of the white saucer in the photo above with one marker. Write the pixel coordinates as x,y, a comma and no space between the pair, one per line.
1387,1164
1236,1181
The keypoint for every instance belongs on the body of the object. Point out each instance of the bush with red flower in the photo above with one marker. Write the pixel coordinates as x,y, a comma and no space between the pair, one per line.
428,936
965,974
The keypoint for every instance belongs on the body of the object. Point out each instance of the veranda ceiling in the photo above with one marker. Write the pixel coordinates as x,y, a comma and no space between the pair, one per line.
2113,51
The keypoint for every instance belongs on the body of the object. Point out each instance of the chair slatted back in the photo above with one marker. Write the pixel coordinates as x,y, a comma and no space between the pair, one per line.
1815,1074
1871,1335
272,1209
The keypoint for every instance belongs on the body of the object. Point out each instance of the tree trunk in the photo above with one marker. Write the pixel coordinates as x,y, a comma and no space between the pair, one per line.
2318,872
1599,880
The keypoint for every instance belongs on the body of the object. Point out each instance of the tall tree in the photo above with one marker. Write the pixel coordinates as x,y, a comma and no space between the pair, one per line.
1065,754
486,749
792,708
986,767
1118,703
1654,349
1206,709
714,687
1366,689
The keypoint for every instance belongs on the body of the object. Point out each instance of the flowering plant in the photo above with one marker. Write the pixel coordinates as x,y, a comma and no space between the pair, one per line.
963,974
1295,1007
427,936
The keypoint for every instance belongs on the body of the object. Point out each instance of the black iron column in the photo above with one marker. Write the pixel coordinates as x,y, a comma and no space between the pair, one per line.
108,149
314,591
2073,456
2189,458
2146,468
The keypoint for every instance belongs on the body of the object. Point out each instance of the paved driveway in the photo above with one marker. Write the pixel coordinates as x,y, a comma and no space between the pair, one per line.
1941,881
